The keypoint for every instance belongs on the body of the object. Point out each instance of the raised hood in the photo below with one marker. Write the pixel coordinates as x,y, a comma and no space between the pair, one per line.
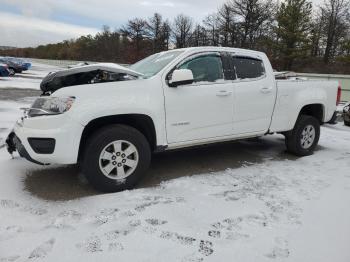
88,74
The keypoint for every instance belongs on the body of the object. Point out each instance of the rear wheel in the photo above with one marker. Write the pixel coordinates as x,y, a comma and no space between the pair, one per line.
115,158
303,139
347,123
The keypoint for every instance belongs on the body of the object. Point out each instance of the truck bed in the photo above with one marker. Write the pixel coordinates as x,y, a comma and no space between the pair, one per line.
293,95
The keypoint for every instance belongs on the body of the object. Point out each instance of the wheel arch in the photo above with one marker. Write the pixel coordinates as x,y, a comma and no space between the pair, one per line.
141,122
316,110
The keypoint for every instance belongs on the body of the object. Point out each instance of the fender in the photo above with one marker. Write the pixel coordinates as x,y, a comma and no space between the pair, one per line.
141,97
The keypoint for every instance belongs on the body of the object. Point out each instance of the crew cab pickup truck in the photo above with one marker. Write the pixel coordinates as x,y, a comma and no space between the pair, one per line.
110,119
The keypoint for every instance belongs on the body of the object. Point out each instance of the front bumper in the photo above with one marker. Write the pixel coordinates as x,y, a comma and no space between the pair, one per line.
13,144
46,140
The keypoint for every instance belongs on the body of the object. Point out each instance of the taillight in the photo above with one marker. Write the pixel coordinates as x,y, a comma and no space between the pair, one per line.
339,94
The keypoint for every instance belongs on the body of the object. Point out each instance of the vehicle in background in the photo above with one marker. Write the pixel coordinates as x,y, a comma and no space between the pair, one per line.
109,119
14,67
346,114
24,64
4,71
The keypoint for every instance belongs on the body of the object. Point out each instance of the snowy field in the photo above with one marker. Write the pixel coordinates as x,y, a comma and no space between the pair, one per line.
245,201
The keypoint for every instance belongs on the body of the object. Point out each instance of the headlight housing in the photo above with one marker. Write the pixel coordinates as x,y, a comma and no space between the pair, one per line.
44,106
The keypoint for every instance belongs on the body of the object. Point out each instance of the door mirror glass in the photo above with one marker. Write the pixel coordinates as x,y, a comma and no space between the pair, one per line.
181,77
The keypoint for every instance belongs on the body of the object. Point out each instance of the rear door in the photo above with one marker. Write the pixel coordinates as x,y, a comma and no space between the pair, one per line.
203,109
255,93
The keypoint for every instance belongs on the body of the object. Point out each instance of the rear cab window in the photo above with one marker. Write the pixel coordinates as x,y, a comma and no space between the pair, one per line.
248,67
239,67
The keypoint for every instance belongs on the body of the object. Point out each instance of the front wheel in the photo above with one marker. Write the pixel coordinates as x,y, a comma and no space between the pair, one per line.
303,139
115,158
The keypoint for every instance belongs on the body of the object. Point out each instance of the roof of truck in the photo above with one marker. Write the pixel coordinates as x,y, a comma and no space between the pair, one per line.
219,48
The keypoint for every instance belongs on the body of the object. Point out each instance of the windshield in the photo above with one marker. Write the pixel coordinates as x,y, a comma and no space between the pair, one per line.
153,64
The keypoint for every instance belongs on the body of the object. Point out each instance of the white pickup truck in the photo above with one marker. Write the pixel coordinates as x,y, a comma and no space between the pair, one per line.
110,119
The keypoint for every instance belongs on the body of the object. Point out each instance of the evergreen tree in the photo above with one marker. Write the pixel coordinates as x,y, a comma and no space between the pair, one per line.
294,23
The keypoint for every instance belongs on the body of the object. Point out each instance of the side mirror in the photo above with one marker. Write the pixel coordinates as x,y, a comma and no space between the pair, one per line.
181,77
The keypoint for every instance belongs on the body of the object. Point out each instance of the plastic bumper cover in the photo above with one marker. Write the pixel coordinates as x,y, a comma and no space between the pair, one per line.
47,143
13,144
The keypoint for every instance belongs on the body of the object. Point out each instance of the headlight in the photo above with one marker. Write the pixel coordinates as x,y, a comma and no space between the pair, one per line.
346,109
50,106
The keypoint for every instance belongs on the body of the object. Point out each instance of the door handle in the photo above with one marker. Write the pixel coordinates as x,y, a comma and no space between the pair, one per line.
266,89
223,93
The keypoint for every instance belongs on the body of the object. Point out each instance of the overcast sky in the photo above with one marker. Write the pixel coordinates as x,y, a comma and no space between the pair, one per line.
33,22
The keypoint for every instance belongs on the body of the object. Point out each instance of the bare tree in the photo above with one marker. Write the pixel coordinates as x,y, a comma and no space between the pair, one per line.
165,34
211,25
226,25
252,16
155,24
335,15
199,36
137,30
316,35
182,30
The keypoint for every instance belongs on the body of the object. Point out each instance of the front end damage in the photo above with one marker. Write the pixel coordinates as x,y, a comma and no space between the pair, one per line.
85,75
13,144
46,134
10,143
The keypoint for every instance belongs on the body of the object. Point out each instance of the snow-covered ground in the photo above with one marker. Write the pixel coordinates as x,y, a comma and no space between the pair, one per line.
259,205
276,210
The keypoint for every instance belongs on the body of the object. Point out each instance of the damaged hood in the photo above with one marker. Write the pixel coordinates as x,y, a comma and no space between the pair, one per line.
88,74
103,66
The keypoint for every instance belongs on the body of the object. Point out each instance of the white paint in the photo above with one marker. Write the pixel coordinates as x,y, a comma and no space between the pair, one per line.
199,113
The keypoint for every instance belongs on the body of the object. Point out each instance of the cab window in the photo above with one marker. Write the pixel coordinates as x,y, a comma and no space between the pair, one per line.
205,68
248,67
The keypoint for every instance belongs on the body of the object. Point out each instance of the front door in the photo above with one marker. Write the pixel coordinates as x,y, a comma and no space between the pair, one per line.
203,109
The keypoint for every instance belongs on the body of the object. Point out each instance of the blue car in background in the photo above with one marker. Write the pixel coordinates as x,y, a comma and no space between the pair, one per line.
12,66
24,64
4,71
15,65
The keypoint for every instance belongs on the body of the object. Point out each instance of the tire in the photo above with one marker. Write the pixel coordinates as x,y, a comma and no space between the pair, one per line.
303,144
101,154
346,123
12,71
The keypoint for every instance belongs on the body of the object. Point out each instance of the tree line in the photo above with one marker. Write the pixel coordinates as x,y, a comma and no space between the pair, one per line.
293,33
